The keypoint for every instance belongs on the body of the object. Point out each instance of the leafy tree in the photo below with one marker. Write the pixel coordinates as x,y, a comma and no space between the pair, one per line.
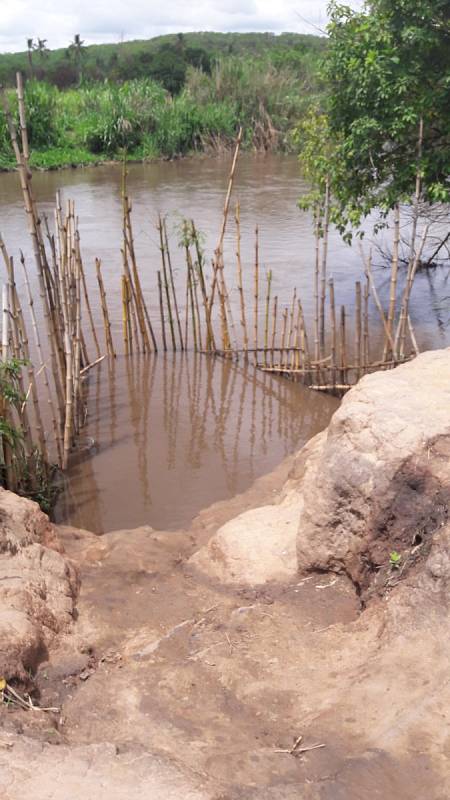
168,67
388,72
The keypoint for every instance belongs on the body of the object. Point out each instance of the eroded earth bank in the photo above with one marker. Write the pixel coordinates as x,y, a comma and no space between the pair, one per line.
294,643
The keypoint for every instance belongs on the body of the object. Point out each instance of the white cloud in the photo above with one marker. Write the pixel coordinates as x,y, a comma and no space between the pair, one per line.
110,20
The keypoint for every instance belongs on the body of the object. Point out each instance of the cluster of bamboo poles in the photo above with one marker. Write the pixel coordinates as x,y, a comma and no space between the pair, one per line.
61,281
335,354
332,356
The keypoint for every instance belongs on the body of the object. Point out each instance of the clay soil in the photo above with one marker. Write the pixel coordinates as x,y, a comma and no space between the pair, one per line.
220,683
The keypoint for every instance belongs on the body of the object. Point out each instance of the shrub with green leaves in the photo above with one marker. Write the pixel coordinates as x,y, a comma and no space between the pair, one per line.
22,469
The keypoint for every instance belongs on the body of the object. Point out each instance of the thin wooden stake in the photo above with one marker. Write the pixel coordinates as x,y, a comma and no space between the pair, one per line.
239,276
358,328
161,311
106,322
266,316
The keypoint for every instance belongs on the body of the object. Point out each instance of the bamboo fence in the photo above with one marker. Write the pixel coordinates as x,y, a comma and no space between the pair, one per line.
272,331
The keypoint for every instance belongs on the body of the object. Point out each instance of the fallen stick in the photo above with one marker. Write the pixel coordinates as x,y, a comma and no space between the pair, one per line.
23,703
92,364
295,751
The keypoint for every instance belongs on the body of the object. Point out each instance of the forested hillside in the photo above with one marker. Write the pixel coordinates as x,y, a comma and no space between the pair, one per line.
165,59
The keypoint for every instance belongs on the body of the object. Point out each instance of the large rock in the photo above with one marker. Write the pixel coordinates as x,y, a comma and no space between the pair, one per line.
38,586
256,547
376,481
382,479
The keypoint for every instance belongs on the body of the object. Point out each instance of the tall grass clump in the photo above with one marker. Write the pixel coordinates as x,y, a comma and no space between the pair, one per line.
43,127
267,100
116,116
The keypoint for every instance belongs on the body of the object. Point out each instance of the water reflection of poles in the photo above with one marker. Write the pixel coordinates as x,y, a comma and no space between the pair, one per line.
135,389
147,375
112,400
240,419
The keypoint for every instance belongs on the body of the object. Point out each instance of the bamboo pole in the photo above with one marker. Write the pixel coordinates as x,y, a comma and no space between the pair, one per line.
283,335
316,283
323,270
274,324
57,427
256,289
86,298
38,251
197,309
106,321
68,421
366,345
343,347
137,300
166,283
135,296
210,340
5,322
77,350
24,351
295,363
136,287
22,116
304,344
291,319
132,305
333,330
192,302
186,298
413,337
358,329
129,319
369,276
266,315
400,334
239,276
172,284
161,311
125,314
218,276
414,257
387,353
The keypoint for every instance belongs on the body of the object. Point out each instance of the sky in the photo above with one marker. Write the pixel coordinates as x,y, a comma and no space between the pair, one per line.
116,20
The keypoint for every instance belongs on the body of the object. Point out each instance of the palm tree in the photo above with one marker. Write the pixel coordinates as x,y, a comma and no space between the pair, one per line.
42,48
30,48
77,47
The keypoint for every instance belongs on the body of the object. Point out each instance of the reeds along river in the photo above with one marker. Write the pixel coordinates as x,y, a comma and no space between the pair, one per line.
167,435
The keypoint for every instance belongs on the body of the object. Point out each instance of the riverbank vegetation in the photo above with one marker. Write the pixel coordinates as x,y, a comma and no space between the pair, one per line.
380,142
162,98
381,134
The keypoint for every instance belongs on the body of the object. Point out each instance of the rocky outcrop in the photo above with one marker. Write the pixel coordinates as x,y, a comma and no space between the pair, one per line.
377,481
381,482
38,586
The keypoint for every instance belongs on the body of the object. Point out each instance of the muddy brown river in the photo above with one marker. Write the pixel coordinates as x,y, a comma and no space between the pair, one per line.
168,435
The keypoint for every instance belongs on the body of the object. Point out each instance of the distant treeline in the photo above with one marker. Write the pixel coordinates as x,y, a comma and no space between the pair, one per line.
166,113
165,59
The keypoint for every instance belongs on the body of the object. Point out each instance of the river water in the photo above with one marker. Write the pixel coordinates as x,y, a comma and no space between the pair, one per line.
169,434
